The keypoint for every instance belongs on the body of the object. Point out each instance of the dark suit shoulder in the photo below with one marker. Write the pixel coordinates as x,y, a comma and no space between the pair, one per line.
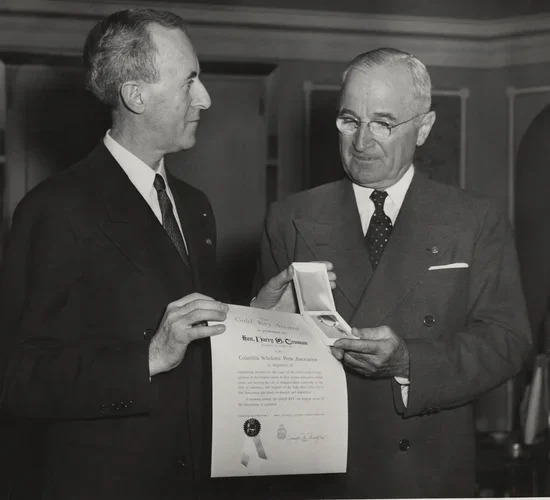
57,190
312,199
455,200
314,194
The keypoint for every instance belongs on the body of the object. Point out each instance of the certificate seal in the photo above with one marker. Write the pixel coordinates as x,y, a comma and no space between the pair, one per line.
252,441
252,427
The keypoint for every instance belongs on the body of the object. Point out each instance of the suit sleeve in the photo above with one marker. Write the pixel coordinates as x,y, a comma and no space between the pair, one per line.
50,366
496,337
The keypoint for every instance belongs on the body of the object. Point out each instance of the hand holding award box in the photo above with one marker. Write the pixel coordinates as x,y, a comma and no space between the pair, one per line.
316,303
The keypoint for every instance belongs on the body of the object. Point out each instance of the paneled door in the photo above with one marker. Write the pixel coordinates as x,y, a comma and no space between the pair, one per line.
228,163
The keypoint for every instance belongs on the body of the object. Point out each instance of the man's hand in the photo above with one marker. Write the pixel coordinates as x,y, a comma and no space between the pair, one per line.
278,294
379,352
184,321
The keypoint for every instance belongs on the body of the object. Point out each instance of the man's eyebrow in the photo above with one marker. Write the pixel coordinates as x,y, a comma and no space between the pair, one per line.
386,115
376,116
346,111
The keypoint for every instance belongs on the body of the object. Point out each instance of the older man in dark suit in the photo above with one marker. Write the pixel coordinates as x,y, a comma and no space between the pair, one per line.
106,284
428,278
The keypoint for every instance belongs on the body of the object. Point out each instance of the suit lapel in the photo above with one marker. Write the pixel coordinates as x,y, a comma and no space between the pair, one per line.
190,219
335,235
132,226
421,233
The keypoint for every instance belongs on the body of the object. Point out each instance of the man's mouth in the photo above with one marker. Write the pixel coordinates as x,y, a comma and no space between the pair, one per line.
365,158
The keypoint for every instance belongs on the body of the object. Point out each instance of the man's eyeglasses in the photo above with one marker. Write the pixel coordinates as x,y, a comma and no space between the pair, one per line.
348,125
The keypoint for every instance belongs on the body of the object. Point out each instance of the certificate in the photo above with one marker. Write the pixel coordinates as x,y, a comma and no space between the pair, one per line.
279,397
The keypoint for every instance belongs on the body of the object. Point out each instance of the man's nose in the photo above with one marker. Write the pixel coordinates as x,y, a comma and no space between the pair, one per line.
201,98
363,138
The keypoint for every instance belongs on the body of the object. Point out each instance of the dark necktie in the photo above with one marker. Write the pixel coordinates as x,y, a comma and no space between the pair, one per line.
169,219
379,228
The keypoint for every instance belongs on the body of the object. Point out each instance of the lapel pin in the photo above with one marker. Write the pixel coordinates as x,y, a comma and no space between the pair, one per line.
208,241
204,215
434,249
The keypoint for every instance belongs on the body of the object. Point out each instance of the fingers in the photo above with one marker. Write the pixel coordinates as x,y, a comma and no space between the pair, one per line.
337,353
184,321
327,263
282,279
331,274
201,332
198,310
376,333
358,345
362,363
332,279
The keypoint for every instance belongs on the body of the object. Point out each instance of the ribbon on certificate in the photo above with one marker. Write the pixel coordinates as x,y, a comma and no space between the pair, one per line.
252,441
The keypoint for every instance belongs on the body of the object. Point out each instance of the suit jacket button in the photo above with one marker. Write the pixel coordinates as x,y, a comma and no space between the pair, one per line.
429,320
148,334
404,444
181,462
103,408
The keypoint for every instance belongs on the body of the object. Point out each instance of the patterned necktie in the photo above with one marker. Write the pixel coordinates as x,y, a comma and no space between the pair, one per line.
169,219
379,228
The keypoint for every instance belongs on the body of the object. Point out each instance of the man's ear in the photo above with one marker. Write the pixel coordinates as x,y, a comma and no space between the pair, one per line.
424,131
132,97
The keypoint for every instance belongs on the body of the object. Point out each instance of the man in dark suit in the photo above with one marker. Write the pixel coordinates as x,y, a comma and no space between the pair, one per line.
106,285
428,278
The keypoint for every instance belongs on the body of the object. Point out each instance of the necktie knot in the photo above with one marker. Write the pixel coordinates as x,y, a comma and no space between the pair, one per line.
378,198
159,183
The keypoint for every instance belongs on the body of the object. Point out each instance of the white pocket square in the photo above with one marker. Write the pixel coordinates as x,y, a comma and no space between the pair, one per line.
455,265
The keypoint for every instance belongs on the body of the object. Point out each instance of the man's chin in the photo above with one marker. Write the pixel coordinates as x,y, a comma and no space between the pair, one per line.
364,177
188,141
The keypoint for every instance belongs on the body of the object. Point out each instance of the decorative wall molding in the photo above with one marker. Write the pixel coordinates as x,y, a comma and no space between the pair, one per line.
463,93
512,93
248,33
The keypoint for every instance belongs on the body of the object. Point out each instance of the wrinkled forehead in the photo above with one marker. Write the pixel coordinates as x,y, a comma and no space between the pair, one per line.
381,89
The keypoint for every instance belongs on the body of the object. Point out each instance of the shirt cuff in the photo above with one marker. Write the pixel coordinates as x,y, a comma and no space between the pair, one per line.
404,383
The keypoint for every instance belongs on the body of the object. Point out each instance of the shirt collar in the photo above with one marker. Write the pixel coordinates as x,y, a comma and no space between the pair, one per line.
140,174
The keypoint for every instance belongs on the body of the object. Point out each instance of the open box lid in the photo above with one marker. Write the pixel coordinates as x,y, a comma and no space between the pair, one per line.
312,287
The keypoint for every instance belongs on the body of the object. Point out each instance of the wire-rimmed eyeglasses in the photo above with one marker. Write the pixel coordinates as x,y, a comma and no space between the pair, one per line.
348,125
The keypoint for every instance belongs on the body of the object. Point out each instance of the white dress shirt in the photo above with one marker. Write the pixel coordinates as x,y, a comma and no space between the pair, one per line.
392,205
142,177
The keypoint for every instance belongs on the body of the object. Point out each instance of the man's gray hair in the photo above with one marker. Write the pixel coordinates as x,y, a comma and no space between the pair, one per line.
387,57
120,48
